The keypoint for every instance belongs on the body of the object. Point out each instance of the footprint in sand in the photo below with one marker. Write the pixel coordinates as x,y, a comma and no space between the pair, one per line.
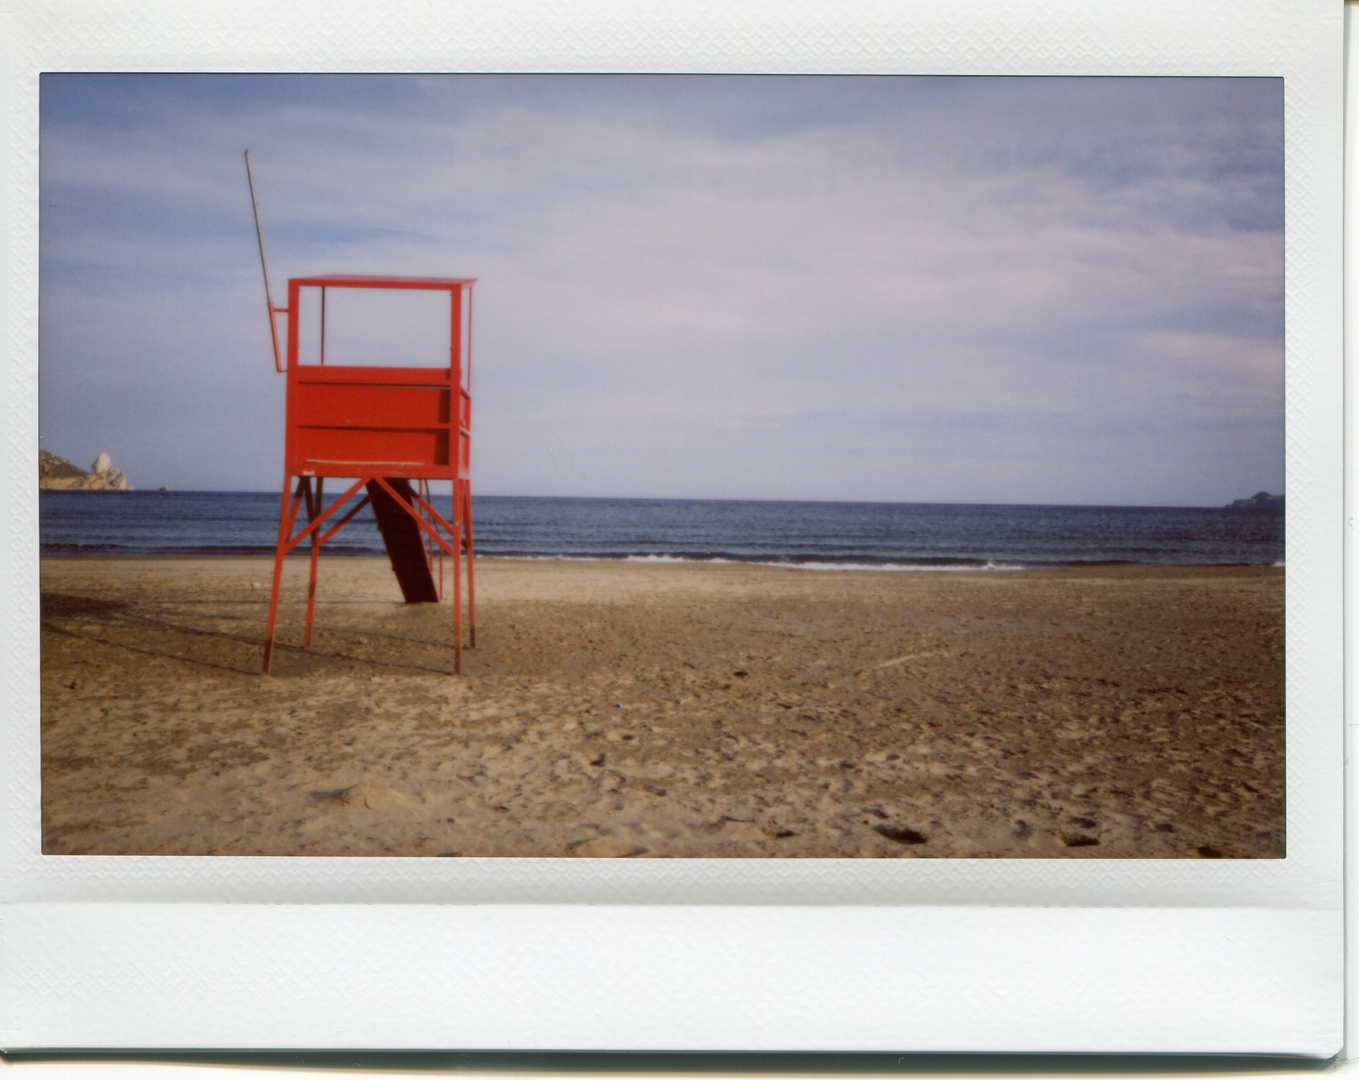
372,797
604,848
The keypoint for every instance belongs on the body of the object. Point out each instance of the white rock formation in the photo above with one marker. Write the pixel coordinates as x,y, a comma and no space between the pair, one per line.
113,478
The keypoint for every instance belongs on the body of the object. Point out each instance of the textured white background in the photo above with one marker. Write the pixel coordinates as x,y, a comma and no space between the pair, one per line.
901,955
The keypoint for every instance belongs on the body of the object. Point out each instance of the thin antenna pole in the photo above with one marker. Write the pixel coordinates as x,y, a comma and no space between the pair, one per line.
264,265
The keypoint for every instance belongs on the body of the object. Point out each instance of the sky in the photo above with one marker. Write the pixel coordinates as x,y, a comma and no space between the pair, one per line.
898,289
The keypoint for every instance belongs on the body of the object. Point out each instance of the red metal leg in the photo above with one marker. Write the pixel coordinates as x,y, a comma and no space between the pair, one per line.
441,571
313,509
430,545
287,514
421,492
457,586
471,584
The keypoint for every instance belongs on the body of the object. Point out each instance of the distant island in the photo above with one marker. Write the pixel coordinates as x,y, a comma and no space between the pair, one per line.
1261,500
55,472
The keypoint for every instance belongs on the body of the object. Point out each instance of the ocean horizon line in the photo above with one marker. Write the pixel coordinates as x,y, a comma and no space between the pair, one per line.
276,493
780,532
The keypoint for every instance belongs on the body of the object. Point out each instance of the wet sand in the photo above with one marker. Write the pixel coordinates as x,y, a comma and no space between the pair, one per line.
630,709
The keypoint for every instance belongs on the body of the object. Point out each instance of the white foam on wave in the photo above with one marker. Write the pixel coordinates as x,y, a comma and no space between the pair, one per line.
674,559
897,567
776,564
547,558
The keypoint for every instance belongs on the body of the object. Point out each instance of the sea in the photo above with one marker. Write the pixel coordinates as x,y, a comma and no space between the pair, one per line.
809,535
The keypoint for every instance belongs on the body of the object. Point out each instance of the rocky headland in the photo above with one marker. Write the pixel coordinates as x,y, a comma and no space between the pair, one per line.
55,472
1261,500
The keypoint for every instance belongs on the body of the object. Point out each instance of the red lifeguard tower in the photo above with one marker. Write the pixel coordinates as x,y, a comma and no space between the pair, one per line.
381,427
390,430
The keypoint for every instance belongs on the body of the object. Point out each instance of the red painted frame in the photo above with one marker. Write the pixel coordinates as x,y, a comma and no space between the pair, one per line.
376,424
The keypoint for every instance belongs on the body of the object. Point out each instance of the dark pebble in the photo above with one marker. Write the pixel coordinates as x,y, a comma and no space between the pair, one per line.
899,835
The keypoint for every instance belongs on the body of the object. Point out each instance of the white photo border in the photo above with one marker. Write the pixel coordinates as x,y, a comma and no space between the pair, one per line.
1229,956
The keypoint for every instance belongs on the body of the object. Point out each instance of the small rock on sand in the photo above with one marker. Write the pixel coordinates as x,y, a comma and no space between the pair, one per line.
900,834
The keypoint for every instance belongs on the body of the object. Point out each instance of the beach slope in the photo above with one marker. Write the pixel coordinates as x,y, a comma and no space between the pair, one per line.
632,709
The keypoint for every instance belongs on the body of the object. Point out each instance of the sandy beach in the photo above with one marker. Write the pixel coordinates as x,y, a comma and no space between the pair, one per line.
652,710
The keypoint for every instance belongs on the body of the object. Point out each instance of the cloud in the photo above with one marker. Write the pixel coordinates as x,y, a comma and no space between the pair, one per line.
802,287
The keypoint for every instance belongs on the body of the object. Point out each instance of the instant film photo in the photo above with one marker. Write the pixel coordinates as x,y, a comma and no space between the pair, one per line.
791,529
